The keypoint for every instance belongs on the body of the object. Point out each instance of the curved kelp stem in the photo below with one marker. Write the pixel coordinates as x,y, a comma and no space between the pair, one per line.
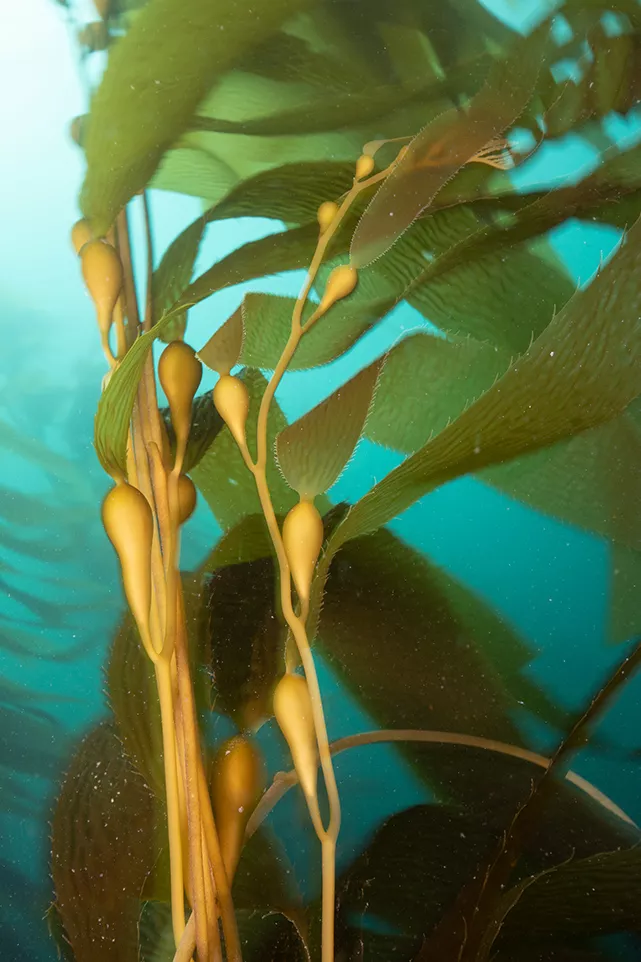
284,781
142,516
231,400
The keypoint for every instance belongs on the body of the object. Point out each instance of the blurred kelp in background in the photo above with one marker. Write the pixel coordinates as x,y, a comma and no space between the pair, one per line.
400,130
54,575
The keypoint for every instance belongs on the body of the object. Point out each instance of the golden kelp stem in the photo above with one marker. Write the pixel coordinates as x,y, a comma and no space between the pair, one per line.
202,910
163,681
286,780
143,518
231,405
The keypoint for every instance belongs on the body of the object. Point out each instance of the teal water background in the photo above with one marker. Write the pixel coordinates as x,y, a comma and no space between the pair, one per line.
547,579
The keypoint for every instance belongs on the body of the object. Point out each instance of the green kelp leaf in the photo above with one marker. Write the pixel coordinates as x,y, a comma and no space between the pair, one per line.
245,640
381,590
570,107
286,57
265,877
268,321
464,286
459,31
411,872
473,252
419,860
620,168
447,241
590,480
336,112
499,913
156,76
313,451
247,541
287,251
505,298
111,425
426,382
624,594
222,477
188,169
613,71
503,648
445,145
57,932
156,933
291,193
242,628
270,938
582,371
222,351
508,313
584,897
172,276
106,835
385,606
206,424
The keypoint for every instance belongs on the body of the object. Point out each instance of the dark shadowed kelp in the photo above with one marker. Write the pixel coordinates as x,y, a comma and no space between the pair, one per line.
379,137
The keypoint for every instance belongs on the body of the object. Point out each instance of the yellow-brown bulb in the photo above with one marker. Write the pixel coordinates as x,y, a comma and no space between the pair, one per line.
326,214
180,372
102,271
80,234
293,711
186,498
364,166
303,539
128,522
340,283
231,400
237,781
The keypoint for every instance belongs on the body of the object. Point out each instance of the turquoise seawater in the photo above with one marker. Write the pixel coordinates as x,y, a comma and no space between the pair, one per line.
549,580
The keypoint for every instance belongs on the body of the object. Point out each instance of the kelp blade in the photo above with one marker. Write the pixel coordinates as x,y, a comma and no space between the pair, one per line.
444,146
156,77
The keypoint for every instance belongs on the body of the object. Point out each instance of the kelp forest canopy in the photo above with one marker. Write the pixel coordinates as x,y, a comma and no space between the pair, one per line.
386,142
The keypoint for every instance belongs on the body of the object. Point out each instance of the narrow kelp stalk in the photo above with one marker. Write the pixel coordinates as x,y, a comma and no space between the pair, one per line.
145,443
142,516
298,704
284,781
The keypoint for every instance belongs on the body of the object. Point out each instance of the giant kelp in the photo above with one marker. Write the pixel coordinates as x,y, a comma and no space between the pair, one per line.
381,139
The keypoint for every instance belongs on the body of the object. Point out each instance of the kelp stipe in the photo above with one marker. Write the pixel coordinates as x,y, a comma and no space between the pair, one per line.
142,516
527,376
